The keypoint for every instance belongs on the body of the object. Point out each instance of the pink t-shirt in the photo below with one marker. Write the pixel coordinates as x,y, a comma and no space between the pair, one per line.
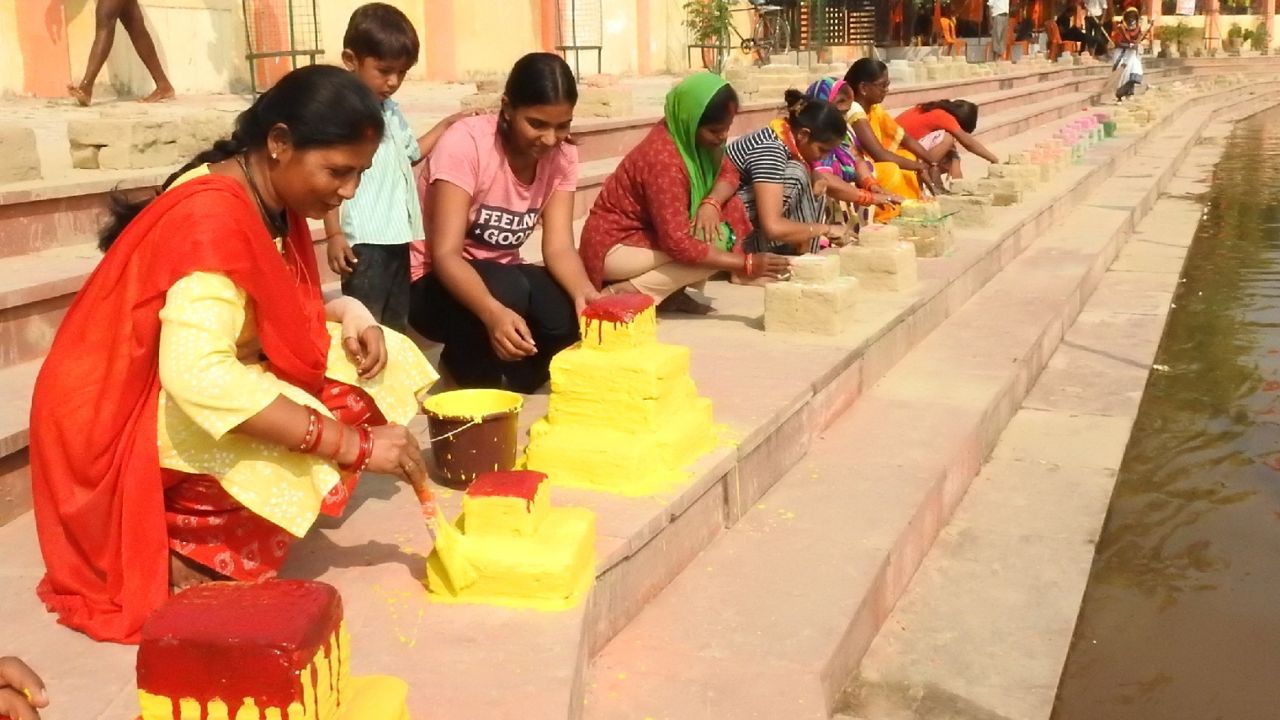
504,211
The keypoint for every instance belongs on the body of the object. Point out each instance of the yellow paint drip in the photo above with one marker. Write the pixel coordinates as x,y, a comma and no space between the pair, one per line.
473,404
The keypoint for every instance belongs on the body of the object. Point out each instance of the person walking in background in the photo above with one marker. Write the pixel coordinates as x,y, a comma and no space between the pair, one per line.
129,14
369,236
999,27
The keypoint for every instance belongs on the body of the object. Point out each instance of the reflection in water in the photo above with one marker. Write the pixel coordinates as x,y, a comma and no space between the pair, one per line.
1181,618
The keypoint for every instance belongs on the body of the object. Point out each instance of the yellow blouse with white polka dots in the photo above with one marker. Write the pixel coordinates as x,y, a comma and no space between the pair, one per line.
211,382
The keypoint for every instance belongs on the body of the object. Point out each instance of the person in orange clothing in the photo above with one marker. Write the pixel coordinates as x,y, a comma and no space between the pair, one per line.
943,127
201,404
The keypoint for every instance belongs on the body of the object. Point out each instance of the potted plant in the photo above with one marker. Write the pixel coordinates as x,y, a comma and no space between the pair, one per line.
1261,40
708,22
1246,42
1174,35
1235,38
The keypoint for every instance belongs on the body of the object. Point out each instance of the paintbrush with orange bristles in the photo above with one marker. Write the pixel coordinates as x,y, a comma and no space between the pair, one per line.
448,541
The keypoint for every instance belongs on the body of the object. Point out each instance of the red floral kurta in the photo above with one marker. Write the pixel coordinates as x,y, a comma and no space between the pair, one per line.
645,204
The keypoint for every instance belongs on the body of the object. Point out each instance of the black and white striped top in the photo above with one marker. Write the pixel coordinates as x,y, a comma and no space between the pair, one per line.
760,157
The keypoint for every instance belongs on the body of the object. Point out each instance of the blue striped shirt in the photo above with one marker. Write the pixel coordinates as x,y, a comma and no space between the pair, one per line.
386,210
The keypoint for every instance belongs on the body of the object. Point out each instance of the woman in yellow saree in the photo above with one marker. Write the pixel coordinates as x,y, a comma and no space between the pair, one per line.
901,164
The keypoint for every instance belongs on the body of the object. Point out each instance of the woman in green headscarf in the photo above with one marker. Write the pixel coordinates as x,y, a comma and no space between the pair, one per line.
668,218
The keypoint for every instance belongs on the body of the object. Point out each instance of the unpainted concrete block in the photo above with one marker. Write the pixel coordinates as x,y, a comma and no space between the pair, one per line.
604,102
20,160
819,309
970,211
892,268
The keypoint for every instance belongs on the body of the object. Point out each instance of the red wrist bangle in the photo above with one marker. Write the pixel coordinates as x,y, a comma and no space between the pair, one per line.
746,265
363,454
342,440
867,181
708,200
312,438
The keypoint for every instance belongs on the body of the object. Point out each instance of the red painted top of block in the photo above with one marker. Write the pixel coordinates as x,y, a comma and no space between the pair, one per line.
621,309
232,641
512,483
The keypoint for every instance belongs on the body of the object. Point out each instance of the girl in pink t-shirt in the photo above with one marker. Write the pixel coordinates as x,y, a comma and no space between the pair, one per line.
491,180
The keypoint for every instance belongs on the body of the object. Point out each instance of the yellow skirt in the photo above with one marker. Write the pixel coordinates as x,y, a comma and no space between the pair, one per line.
897,181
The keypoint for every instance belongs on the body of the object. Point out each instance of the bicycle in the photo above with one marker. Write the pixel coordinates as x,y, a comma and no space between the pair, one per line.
770,33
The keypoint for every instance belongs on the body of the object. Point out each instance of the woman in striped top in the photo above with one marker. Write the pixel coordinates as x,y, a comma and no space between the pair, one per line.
776,183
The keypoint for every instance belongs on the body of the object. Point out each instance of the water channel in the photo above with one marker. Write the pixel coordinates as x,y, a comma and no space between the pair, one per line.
1181,618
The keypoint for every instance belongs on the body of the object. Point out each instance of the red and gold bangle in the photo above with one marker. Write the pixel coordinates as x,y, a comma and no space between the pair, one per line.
708,200
866,181
363,454
865,197
312,438
749,265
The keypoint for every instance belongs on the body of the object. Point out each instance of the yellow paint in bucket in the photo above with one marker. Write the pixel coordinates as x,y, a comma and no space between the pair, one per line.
473,431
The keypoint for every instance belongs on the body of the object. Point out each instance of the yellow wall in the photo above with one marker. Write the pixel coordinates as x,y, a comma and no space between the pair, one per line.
10,51
490,35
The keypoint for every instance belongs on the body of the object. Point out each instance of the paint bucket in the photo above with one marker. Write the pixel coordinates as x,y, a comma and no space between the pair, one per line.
472,432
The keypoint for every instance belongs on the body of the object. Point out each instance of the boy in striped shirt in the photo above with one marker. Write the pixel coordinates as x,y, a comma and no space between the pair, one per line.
369,236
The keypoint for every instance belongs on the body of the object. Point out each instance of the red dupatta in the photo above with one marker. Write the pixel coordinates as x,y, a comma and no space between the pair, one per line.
95,471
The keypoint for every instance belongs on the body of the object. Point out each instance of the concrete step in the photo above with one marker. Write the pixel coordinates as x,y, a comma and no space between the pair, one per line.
774,616
36,289
987,620
449,654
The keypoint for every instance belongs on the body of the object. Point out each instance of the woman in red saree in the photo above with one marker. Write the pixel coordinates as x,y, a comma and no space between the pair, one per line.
201,404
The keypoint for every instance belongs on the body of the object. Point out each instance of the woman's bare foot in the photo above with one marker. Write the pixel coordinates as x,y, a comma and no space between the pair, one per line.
82,96
160,94
184,573
682,302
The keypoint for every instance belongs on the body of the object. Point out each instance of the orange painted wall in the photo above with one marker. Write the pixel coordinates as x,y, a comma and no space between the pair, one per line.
42,37
439,39
271,21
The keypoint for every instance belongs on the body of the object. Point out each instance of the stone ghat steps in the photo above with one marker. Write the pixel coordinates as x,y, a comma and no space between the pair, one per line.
773,618
773,394
37,288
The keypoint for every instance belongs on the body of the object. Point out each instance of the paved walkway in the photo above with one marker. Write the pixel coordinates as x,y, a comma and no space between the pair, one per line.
984,628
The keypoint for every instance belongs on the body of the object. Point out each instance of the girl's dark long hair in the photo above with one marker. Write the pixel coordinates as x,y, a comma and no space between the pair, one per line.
865,70
965,112
321,105
541,79
823,120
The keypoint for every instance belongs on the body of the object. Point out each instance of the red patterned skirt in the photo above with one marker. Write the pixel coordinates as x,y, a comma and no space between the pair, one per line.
209,527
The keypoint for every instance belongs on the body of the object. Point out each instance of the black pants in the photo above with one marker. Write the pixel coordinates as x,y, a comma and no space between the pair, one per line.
1092,39
380,280
469,358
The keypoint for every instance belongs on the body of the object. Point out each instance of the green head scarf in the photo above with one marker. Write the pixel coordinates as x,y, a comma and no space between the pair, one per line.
685,104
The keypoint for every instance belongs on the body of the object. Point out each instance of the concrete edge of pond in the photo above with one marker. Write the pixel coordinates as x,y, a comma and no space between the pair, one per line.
983,630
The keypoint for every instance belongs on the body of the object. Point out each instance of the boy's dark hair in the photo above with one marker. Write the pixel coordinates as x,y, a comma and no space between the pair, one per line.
378,30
